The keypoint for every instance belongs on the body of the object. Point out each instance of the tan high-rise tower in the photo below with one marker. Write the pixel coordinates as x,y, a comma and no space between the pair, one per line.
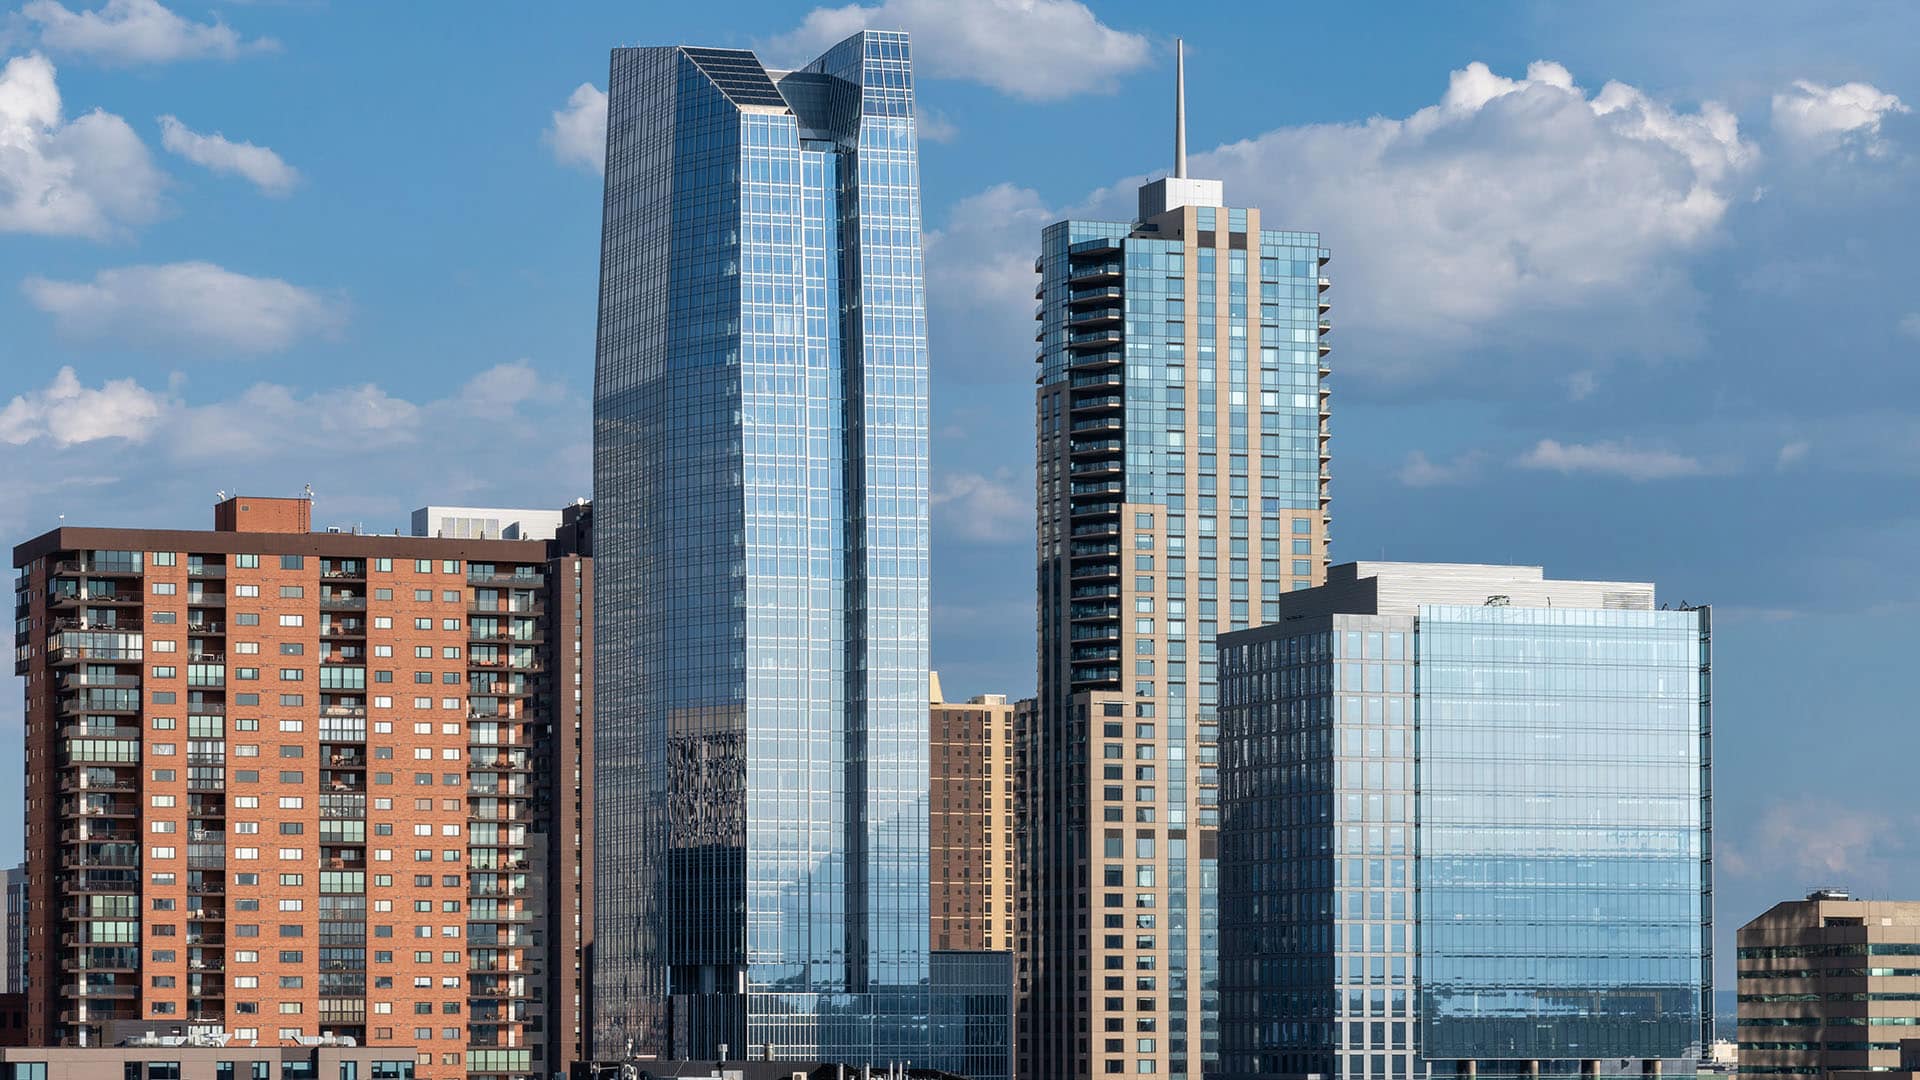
1181,488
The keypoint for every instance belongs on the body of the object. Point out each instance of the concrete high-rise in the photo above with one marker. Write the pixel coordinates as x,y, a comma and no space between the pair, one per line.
1467,829
1181,491
284,783
970,826
760,479
1829,985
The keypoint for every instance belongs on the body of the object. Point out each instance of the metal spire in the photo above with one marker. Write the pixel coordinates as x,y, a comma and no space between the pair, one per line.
1179,108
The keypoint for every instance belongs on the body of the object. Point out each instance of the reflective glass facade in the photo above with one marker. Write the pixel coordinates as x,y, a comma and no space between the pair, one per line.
1465,834
761,478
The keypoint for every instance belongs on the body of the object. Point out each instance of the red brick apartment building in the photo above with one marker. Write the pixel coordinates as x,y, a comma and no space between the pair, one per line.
284,784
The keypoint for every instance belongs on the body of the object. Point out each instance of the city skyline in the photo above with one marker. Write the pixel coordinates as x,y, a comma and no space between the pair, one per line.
1513,416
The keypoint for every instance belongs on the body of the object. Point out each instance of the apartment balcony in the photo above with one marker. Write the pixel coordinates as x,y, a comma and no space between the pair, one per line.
124,856
1105,358
343,570
1326,327
206,599
338,629
1105,378
127,960
342,602
89,706
210,627
1097,295
1094,339
100,991
107,809
1102,403
1107,527
1106,570
1097,273
1092,319
87,568
72,782
96,834
1082,448
1099,632
206,570
1326,305
1325,284
1325,346
1099,245
113,599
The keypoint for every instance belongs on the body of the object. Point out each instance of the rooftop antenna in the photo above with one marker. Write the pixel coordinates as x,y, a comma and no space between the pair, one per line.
1180,108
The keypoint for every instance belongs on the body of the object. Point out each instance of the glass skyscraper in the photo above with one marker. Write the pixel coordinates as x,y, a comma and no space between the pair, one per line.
1467,824
760,473
1182,464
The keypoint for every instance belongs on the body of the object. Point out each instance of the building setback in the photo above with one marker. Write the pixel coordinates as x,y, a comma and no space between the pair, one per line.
1829,985
760,475
971,821
1467,822
1182,455
283,783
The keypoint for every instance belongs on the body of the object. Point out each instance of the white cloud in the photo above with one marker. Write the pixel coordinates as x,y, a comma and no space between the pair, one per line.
993,509
1910,325
578,134
1611,459
1820,118
89,177
1524,213
1821,843
1793,453
1421,471
1037,49
1506,206
137,32
66,413
190,305
259,165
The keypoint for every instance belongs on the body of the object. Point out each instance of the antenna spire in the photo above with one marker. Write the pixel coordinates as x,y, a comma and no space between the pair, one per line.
1180,107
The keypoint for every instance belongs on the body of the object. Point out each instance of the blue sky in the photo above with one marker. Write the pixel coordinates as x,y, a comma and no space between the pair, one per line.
1631,299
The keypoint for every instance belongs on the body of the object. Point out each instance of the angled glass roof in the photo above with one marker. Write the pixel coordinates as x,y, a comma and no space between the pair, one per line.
738,74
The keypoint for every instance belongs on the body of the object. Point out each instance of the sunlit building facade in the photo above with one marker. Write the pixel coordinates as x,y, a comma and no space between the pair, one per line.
1466,832
760,430
1182,453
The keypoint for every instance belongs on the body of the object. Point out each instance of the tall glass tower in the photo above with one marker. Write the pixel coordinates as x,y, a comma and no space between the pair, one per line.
760,477
1181,491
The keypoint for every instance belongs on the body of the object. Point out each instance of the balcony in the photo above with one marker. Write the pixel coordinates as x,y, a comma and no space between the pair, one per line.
71,567
206,570
1094,339
1092,318
1092,273
1098,294
206,626
63,601
86,706
80,782
507,579
342,602
1102,403
1105,358
1099,245
1326,327
343,629
1325,346
1097,571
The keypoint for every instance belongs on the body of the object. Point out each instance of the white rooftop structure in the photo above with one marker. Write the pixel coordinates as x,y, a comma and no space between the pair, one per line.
485,523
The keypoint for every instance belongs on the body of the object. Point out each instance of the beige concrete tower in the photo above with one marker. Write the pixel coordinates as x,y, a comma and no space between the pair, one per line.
1181,487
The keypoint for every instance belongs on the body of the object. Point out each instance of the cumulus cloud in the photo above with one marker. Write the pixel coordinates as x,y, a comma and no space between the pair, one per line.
578,134
1525,211
1910,325
189,305
1041,50
992,509
89,177
1819,118
137,32
1510,199
259,165
1793,453
65,412
1422,471
1611,459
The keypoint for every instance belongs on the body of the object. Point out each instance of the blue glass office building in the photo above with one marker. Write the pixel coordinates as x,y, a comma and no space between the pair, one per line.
760,473
1466,829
